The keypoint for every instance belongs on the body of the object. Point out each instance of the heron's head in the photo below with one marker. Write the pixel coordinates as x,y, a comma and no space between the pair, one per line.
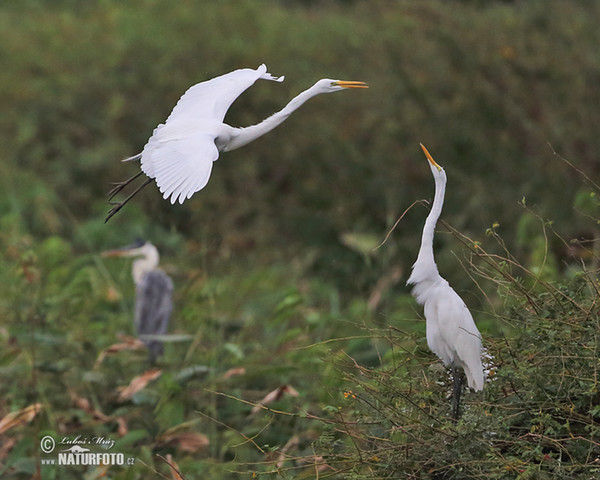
328,85
436,170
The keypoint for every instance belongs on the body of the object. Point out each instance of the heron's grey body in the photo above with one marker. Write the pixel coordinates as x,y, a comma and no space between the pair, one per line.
153,291
153,307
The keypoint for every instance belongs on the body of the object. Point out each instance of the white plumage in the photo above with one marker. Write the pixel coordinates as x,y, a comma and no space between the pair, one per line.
451,331
180,153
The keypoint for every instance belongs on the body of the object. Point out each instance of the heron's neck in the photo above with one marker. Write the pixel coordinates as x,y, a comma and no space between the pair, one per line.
246,135
141,266
426,250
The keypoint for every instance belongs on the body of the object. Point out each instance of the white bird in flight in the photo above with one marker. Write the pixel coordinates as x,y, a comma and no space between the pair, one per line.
180,153
451,331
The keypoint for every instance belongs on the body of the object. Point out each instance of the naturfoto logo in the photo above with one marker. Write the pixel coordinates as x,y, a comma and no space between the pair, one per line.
78,454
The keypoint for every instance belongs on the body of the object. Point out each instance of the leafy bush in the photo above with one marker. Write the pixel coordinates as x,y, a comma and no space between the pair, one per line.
536,418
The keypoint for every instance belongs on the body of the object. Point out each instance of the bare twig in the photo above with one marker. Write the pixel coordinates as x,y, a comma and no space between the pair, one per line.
422,202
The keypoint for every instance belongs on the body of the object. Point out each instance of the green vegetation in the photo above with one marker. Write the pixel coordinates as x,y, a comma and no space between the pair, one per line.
297,352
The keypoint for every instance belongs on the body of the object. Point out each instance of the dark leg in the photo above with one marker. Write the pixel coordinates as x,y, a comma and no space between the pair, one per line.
456,389
119,205
118,186
155,350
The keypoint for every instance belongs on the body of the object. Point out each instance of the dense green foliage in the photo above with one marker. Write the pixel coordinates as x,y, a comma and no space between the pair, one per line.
537,417
278,288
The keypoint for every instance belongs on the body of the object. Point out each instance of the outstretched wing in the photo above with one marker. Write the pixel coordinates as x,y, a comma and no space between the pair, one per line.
211,99
180,161
180,152
153,306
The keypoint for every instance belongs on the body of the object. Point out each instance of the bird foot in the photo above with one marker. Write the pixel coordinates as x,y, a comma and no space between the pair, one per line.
118,186
119,205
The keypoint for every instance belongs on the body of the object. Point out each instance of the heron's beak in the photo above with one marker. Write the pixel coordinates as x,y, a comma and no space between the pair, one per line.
350,84
114,253
430,158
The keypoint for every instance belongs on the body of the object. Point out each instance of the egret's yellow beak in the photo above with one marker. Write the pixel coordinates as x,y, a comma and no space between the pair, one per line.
350,84
430,158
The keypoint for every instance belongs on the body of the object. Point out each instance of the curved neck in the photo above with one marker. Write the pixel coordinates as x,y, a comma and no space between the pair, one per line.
147,263
246,135
426,250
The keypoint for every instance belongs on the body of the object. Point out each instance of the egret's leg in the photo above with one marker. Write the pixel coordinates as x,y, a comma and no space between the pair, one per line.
456,389
118,206
118,186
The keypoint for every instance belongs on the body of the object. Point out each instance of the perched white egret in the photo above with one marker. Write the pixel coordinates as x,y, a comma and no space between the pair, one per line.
153,287
451,331
180,153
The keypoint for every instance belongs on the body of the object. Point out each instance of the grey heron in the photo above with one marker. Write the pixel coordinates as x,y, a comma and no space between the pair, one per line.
153,287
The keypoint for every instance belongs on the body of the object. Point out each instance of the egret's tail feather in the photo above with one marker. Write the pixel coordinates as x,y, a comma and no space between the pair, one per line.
132,158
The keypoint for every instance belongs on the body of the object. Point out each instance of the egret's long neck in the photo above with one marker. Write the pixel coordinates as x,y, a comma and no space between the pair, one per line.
246,135
426,251
147,263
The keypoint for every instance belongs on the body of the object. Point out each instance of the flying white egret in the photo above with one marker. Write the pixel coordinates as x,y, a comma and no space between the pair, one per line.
180,153
451,331
153,287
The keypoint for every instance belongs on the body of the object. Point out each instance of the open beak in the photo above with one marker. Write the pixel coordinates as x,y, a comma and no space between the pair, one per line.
350,84
430,158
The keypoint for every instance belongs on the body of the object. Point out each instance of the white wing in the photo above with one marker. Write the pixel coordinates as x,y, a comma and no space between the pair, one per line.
180,152
211,99
181,165
460,335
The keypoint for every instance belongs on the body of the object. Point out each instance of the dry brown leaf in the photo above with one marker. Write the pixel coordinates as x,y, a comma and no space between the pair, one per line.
84,404
387,281
6,446
317,461
291,443
112,294
175,475
20,417
185,441
233,372
80,402
127,343
275,395
122,429
137,384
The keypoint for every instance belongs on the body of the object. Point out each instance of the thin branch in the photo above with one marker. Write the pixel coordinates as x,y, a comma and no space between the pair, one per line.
579,171
422,202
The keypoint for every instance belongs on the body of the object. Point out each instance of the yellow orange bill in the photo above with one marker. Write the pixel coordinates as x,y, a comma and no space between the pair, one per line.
351,84
430,158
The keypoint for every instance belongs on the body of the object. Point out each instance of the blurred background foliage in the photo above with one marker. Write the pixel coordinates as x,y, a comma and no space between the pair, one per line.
275,256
